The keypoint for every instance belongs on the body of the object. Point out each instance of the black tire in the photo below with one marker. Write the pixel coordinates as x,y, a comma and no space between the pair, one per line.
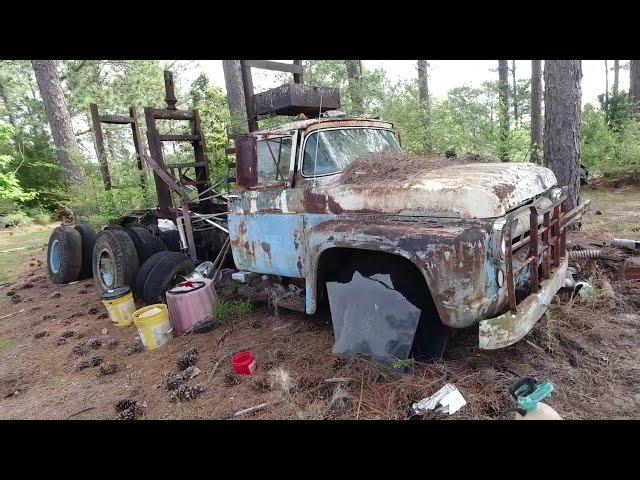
88,235
162,276
115,261
146,267
64,255
114,226
146,244
171,238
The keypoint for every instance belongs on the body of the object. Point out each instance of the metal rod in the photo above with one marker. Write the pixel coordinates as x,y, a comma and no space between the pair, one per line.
533,249
508,258
189,231
546,255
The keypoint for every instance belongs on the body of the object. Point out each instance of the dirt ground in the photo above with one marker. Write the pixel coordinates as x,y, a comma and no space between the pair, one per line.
589,348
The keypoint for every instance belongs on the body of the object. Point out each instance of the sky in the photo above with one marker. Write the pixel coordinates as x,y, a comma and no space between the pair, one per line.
443,74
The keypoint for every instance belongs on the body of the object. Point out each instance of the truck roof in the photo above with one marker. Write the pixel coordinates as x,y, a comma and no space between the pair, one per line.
327,122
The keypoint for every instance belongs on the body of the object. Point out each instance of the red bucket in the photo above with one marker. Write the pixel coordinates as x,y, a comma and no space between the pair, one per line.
243,363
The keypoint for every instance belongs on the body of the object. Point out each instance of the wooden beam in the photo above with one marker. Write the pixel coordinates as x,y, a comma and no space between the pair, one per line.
277,66
118,119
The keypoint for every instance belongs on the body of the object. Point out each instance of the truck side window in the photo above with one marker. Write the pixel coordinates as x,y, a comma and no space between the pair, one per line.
274,158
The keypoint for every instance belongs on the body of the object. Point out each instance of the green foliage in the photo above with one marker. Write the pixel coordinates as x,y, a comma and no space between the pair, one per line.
16,219
225,311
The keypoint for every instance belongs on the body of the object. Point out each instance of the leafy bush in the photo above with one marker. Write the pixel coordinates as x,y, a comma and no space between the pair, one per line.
16,219
40,216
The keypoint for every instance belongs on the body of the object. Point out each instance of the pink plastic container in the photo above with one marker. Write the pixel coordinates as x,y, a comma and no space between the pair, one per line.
244,363
190,303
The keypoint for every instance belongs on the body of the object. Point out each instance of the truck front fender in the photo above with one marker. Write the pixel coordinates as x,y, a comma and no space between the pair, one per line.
452,258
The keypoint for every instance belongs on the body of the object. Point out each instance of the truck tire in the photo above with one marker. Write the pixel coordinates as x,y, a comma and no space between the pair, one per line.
171,238
146,244
115,261
146,267
164,274
88,236
114,226
64,255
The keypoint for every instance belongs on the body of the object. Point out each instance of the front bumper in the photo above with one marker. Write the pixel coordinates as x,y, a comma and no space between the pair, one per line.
507,329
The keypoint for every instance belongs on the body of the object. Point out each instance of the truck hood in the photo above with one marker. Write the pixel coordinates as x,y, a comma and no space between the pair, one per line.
474,190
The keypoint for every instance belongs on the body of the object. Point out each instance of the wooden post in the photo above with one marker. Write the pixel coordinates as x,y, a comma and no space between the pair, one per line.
155,150
139,147
247,81
100,150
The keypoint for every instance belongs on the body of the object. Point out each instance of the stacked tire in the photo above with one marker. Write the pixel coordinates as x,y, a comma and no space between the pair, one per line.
159,273
69,253
115,260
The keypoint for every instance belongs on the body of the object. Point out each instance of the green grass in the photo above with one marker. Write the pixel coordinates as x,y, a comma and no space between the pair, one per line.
26,242
225,311
620,212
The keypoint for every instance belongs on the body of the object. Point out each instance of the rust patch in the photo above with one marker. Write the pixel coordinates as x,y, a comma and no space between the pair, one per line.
334,207
504,190
314,202
267,248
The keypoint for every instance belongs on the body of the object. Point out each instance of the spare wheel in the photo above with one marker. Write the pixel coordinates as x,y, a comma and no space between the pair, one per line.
64,255
115,261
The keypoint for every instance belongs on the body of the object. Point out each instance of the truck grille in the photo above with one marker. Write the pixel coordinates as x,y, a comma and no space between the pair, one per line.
546,242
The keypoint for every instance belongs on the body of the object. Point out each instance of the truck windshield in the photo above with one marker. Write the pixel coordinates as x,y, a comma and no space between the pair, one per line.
338,148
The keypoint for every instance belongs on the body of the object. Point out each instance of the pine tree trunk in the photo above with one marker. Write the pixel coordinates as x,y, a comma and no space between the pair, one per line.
634,86
423,93
503,85
515,93
235,96
62,132
5,100
616,74
562,116
536,111
606,89
354,76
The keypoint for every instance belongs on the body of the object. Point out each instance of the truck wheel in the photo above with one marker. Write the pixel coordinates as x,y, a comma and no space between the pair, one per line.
114,226
115,261
88,236
64,255
171,238
146,244
164,275
146,267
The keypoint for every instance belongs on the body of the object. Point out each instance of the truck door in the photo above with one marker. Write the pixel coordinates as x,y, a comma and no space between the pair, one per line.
265,221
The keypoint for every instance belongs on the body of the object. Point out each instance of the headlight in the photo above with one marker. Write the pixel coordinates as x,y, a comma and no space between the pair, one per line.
503,247
500,278
555,193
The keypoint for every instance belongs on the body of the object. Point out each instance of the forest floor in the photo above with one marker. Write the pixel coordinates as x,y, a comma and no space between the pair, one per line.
589,348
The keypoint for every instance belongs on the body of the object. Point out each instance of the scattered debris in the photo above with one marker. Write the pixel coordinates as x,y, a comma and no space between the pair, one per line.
16,298
260,385
56,295
280,378
266,366
82,292
41,334
95,343
133,349
81,411
230,380
108,369
61,341
92,311
112,343
188,359
103,315
624,243
447,400
279,355
75,315
67,334
104,331
256,325
27,285
48,316
249,410
340,400
177,379
128,409
186,393
587,254
11,314
96,360
11,293
80,349
34,309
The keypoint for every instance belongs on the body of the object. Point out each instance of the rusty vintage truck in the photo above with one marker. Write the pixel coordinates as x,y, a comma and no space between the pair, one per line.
479,243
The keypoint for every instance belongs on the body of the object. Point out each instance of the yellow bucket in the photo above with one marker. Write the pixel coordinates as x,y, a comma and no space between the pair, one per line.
120,305
153,325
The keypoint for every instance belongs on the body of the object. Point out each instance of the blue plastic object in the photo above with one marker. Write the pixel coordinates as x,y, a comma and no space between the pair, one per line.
529,401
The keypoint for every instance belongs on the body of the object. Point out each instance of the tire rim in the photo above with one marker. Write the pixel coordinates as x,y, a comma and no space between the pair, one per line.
55,258
106,269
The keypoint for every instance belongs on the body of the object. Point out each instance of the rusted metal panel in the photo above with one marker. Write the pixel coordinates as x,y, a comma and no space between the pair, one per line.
246,160
507,329
296,98
480,190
